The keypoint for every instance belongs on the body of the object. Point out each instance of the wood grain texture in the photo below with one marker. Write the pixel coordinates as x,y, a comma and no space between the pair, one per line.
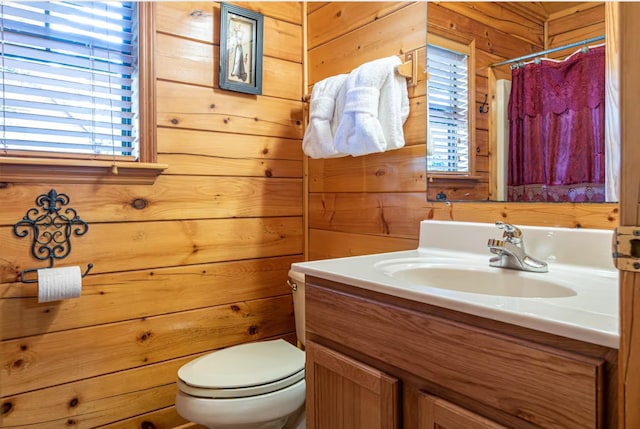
415,127
399,214
134,392
401,169
388,214
577,20
170,198
115,297
329,244
354,203
60,357
338,18
193,20
164,418
201,21
249,171
629,14
495,15
550,388
203,165
139,392
458,189
362,223
285,40
196,63
436,413
287,11
447,23
348,394
165,244
222,145
583,33
194,107
167,285
393,34
184,60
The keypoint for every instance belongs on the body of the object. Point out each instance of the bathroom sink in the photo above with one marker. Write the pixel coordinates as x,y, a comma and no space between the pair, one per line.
451,268
475,279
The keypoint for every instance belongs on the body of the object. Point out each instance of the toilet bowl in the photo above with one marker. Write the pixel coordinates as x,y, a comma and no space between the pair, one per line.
257,385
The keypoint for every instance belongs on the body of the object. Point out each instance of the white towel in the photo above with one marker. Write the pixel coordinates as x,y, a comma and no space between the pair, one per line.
318,139
376,105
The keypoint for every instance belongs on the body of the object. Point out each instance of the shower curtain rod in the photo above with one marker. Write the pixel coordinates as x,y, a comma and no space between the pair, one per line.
548,51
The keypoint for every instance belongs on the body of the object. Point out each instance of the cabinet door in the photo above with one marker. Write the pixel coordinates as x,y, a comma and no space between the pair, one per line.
343,393
436,413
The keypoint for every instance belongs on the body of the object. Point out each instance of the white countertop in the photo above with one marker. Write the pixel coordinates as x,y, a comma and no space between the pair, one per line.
591,315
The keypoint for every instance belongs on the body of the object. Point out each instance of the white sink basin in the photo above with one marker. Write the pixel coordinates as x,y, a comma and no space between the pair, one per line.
577,298
475,279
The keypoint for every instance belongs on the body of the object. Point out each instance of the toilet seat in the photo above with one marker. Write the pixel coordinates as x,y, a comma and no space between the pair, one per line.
243,371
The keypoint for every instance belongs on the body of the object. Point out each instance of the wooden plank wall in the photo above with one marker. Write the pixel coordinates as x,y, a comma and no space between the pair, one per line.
195,262
375,203
499,34
583,21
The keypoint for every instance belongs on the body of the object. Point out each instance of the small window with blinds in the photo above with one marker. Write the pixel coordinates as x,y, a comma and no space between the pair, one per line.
68,79
449,98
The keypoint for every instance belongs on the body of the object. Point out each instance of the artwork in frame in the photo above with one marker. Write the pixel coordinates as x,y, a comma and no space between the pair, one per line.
240,49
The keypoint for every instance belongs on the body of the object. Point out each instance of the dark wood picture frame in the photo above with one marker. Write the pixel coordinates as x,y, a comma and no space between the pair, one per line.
240,49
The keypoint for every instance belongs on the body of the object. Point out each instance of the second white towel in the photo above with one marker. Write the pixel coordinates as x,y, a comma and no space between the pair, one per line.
376,106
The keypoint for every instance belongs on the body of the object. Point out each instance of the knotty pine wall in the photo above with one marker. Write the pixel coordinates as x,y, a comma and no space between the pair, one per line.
375,203
202,264
195,262
584,21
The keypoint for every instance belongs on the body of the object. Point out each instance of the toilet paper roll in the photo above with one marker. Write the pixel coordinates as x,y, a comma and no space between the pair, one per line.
59,283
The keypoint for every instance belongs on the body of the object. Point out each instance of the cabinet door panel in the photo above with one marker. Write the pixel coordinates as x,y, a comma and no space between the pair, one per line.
436,413
542,386
343,393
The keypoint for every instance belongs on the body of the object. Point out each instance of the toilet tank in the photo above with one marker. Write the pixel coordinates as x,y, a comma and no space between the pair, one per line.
296,281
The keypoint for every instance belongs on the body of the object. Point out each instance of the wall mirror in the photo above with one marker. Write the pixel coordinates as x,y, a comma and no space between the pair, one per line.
522,102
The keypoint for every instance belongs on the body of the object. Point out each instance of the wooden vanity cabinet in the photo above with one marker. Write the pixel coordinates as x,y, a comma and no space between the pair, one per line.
378,361
349,394
436,413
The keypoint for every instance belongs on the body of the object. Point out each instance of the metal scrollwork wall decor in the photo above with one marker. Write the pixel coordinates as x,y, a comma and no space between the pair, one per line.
52,229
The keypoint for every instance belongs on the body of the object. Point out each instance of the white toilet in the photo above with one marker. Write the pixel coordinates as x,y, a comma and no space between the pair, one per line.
249,386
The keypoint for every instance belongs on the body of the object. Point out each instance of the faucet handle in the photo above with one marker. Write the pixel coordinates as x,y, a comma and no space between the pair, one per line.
511,232
496,246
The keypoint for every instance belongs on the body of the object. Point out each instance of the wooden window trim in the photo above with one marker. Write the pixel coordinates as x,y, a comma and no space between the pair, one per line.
468,49
441,175
31,169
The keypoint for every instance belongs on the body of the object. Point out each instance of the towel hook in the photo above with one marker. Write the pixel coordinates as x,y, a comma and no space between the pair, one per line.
484,108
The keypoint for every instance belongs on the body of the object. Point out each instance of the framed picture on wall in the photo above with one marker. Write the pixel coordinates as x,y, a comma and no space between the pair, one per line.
240,49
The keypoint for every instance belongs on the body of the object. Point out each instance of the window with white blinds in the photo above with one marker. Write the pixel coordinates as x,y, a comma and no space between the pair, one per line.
68,71
448,114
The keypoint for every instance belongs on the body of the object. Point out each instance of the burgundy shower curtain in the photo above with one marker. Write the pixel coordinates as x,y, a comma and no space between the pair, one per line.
556,130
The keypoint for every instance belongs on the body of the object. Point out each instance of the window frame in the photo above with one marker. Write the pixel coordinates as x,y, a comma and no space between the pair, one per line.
468,49
22,168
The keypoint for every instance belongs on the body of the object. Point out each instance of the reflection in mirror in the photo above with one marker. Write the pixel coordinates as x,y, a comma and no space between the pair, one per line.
516,102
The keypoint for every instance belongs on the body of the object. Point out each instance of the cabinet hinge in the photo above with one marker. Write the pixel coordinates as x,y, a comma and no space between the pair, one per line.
626,248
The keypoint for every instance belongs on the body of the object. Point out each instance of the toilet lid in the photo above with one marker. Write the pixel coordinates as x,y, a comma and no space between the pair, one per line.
242,392
243,369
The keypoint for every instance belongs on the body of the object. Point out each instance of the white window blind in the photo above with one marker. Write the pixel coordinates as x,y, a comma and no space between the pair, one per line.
448,99
67,77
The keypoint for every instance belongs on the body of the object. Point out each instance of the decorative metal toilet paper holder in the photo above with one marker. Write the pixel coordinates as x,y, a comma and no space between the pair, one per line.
51,229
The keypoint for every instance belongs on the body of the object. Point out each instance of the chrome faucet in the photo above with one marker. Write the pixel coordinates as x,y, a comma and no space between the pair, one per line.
511,253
